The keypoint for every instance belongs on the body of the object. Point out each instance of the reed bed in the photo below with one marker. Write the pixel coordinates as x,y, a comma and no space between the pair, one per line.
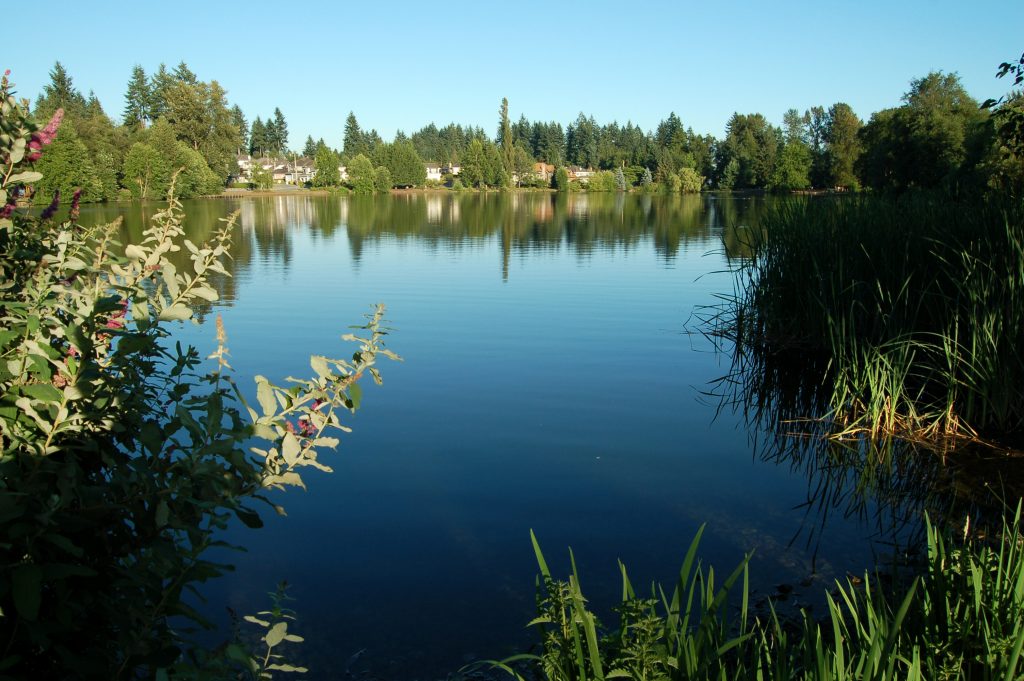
963,618
914,307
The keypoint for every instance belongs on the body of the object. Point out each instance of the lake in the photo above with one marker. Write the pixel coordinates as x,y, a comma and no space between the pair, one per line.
554,378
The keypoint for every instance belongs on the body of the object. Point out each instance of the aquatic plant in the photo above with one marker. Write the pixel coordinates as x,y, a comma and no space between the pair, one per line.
913,309
962,618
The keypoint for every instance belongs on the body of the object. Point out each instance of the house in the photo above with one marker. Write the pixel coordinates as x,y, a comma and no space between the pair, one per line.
450,169
434,172
543,171
581,175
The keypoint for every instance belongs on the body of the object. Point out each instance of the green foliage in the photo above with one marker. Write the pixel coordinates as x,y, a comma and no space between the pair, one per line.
746,158
474,165
913,305
935,139
647,181
794,167
960,620
261,177
137,99
120,457
66,166
402,162
690,181
362,177
144,171
620,180
560,180
382,181
602,181
327,173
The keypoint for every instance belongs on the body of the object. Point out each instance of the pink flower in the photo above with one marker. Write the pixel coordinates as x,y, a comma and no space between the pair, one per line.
47,134
52,208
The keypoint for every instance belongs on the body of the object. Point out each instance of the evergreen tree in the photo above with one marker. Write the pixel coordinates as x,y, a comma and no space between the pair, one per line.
238,118
310,148
160,82
137,99
280,132
620,180
353,144
474,165
60,93
66,166
258,138
184,74
505,140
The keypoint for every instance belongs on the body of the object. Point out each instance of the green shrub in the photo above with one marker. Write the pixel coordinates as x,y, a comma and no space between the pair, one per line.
121,456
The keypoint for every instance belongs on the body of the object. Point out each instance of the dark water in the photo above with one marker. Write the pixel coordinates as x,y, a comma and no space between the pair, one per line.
551,381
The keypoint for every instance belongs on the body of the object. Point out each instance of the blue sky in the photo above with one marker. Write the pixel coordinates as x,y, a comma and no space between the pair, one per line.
401,65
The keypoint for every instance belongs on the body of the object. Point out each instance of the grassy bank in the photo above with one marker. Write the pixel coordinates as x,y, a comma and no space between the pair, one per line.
911,308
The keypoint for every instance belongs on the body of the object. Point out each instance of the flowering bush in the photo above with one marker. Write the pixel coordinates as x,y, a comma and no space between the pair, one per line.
120,457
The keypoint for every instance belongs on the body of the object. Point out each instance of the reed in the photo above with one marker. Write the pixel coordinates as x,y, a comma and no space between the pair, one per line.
962,618
914,307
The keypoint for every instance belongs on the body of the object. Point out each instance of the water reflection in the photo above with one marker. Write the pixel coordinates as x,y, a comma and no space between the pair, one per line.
888,484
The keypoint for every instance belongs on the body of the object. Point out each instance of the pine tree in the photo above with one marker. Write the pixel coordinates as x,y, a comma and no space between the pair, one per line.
280,139
137,100
238,118
309,149
184,74
354,143
159,83
258,138
60,93
505,140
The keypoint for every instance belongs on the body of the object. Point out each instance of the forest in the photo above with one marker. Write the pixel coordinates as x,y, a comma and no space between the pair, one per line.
937,137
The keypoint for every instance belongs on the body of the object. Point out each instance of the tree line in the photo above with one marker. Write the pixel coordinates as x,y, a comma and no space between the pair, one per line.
938,137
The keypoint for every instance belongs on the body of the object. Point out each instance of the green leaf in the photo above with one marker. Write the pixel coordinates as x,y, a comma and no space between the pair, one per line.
27,177
27,583
250,518
162,511
290,449
206,293
134,252
265,396
287,668
355,394
176,312
276,634
320,366
152,437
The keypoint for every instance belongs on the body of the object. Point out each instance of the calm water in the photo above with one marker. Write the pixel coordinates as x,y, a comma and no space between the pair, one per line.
549,382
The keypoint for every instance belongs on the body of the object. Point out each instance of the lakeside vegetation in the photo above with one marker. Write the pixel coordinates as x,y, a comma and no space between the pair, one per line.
122,458
910,304
940,137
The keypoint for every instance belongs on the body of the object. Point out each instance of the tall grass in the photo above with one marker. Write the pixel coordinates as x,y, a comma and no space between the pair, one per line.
913,306
963,618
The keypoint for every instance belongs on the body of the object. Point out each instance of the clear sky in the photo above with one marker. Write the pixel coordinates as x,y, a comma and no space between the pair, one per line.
400,65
